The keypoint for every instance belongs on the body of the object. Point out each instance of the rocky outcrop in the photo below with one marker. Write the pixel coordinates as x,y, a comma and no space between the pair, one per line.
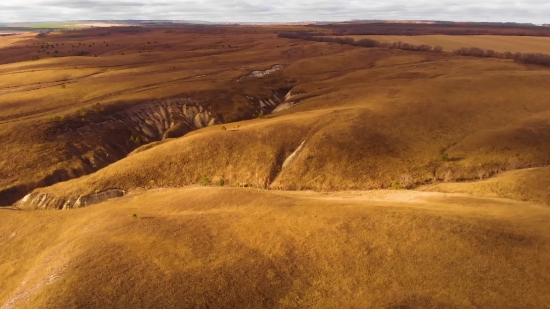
286,104
37,200
155,120
293,155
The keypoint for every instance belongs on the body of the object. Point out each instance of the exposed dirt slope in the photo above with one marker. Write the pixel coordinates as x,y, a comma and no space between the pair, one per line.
228,248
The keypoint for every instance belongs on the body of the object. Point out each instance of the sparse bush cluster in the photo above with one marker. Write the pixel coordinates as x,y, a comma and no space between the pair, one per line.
205,180
136,140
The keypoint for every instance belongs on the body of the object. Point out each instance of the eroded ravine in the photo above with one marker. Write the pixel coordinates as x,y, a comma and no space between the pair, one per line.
101,138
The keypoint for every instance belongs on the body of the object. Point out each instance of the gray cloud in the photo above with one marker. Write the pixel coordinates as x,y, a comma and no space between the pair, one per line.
536,11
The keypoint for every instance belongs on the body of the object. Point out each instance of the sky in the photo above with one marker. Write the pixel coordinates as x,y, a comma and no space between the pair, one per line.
529,11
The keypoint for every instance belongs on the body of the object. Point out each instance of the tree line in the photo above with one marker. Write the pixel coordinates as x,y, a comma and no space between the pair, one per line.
369,43
446,28
529,58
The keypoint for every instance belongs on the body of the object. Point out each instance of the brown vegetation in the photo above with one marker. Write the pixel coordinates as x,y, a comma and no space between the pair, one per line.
228,248
238,112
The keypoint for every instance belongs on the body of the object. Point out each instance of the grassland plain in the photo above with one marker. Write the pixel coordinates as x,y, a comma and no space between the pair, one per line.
361,135
230,247
370,116
450,43
472,135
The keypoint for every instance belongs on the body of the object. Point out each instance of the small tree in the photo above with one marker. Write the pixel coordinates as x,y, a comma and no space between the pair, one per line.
222,182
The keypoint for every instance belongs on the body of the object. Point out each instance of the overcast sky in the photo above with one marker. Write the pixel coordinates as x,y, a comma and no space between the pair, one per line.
534,11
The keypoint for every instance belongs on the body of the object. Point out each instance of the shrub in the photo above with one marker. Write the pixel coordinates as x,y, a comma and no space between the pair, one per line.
513,163
406,181
205,180
261,115
448,176
222,182
481,174
395,185
97,108
134,216
444,157
136,139
81,112
224,128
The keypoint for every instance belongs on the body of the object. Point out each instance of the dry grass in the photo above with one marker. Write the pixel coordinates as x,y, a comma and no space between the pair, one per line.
369,116
522,44
364,128
526,185
227,248
34,92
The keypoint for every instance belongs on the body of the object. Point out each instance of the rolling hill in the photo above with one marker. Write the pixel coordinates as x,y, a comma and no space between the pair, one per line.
223,167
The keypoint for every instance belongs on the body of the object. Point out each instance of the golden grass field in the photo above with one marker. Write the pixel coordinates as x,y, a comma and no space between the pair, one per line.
228,248
348,200
522,44
363,129
408,106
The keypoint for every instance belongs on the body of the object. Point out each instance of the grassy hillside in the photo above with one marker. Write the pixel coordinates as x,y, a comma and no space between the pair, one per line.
370,118
526,185
41,101
380,124
227,248
159,112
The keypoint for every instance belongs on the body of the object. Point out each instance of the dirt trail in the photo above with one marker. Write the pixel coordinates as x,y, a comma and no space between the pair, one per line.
404,196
